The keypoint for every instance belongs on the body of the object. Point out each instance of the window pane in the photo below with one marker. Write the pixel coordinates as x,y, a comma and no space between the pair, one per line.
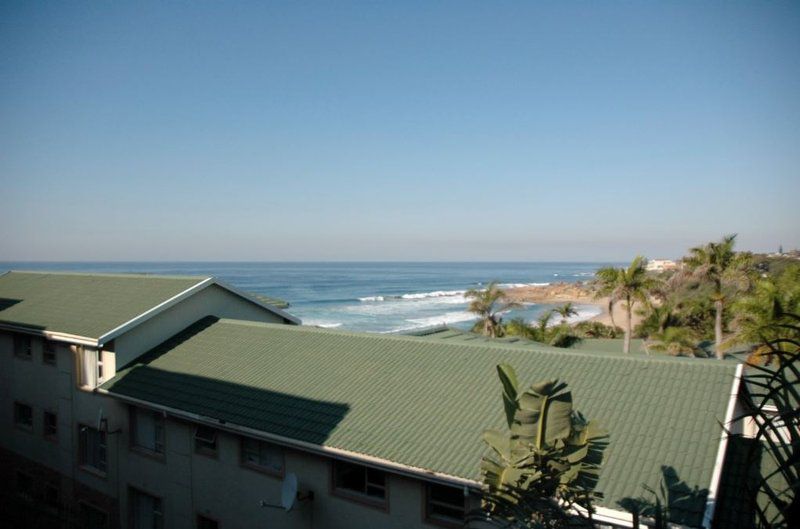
206,523
92,518
442,502
23,415
360,479
148,430
146,511
49,352
92,447
50,424
22,346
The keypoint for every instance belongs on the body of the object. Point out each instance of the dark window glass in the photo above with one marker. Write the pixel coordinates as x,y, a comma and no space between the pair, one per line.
91,517
22,346
442,503
23,415
25,486
49,352
359,479
92,448
206,523
51,496
146,511
205,440
148,430
50,425
262,455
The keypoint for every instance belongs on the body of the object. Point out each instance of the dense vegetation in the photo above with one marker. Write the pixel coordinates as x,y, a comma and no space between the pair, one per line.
717,301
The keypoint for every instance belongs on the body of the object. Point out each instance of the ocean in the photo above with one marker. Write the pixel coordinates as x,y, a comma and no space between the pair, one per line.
366,296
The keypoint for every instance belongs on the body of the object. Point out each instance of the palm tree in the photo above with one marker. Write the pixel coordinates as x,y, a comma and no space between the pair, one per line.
763,316
489,304
565,311
677,341
630,285
718,264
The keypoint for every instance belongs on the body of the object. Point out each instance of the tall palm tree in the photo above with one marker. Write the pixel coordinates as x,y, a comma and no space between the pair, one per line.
489,304
565,311
630,285
764,315
718,264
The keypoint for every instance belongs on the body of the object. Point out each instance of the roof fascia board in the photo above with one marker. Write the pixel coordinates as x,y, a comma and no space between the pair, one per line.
51,335
716,476
230,288
337,453
161,307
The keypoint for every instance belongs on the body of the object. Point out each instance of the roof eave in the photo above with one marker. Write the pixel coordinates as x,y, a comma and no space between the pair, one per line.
51,335
716,475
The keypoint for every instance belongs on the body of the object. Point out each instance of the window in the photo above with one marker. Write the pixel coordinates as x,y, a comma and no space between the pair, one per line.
367,483
51,496
146,511
446,505
50,425
147,430
206,523
23,416
22,346
205,440
49,352
92,448
25,486
262,456
91,517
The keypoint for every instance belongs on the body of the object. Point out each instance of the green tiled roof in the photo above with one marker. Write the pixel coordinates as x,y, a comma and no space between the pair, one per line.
424,402
83,304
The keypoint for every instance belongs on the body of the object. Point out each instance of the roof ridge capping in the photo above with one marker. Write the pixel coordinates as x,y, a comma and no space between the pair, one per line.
482,344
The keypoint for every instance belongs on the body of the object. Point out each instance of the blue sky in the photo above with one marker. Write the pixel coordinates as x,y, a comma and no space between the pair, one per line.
397,130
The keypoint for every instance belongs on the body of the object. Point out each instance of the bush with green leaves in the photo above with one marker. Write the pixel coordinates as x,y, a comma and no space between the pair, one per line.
544,469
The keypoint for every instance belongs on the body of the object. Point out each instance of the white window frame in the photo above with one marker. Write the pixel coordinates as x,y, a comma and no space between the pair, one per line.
201,439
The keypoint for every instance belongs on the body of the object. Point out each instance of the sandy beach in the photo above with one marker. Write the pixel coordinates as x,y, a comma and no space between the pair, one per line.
579,293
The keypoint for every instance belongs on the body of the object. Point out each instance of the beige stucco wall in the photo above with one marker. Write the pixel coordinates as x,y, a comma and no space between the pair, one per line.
52,388
222,489
212,301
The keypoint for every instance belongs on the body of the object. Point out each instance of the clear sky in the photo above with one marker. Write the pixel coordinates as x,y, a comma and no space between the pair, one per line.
396,130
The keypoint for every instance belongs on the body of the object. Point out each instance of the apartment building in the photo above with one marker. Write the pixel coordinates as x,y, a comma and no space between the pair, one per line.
140,401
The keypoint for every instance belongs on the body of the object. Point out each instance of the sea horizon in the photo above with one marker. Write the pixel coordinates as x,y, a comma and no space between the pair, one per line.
370,296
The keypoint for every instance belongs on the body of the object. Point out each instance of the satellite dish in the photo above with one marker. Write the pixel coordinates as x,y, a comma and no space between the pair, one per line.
289,491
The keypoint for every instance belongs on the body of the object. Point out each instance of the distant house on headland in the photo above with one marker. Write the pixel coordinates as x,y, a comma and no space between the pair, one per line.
661,265
184,403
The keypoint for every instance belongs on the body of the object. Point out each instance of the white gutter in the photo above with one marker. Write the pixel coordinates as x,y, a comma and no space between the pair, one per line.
161,307
246,295
337,453
51,335
711,500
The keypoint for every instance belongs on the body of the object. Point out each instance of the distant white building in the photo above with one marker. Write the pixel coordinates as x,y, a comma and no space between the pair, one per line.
661,265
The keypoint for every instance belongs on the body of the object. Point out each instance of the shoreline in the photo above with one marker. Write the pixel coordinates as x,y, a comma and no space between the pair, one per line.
578,293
